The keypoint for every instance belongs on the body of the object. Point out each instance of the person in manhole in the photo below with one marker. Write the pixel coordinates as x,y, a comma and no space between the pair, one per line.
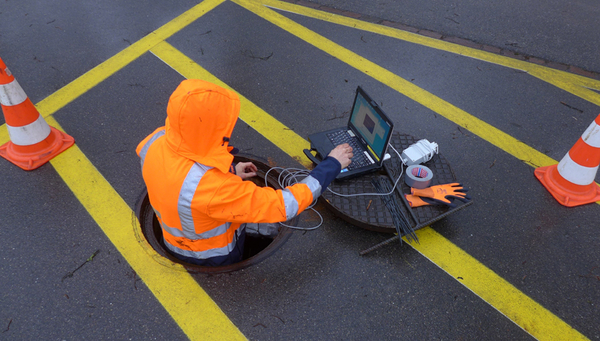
199,196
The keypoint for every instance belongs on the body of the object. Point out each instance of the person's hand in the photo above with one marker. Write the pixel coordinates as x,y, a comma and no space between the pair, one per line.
245,170
342,153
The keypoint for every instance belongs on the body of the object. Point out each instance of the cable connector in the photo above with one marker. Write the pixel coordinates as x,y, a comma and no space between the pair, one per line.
419,152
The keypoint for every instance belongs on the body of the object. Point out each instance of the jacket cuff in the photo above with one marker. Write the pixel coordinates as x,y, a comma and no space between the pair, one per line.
326,171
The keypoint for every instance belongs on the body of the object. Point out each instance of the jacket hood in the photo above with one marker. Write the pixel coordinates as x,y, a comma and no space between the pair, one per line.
200,120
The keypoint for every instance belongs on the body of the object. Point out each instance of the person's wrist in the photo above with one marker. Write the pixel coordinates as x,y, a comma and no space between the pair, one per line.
336,160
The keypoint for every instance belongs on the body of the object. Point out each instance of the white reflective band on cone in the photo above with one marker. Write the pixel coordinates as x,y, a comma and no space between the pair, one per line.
12,94
29,134
575,173
591,135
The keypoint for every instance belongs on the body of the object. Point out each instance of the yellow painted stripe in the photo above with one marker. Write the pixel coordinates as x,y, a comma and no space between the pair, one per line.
528,314
189,305
525,312
265,124
82,84
577,87
478,127
575,84
96,75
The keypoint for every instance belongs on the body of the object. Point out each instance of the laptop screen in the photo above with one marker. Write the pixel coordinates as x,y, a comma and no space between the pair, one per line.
369,121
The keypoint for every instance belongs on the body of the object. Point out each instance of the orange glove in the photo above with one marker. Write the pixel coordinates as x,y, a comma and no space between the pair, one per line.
443,193
415,201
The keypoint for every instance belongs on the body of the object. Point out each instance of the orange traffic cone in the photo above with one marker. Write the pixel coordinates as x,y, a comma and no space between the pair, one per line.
572,181
32,141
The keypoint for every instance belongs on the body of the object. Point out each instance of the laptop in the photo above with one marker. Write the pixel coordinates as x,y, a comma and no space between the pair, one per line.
368,132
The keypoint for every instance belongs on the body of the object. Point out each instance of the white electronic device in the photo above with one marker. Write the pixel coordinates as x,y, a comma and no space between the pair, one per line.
419,152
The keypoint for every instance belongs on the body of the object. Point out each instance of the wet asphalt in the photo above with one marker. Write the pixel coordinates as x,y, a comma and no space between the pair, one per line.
315,286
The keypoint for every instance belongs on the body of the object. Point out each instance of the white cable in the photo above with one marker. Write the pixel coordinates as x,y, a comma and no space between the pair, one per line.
288,177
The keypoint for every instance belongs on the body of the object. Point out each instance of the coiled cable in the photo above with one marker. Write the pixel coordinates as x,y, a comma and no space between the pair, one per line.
291,176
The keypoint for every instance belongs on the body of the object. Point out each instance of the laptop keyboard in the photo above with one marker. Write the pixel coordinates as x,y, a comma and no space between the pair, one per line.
360,158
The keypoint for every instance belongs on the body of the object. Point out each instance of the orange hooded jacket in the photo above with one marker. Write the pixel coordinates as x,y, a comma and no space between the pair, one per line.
199,203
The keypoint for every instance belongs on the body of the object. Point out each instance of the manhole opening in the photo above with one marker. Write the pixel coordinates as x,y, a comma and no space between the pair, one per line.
256,248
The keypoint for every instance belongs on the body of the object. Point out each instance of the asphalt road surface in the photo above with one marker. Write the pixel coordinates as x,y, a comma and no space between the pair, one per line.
502,88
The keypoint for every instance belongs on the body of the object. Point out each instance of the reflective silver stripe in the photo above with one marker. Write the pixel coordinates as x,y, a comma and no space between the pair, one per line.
172,230
145,148
184,205
217,231
191,235
12,94
186,195
32,133
208,253
314,186
291,204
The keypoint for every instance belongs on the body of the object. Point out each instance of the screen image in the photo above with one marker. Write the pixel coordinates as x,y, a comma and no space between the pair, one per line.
371,126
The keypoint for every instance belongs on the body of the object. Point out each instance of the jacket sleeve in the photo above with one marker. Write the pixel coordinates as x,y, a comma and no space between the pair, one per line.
326,171
245,202
241,201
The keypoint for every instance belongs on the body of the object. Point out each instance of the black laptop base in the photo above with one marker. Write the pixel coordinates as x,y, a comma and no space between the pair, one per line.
342,176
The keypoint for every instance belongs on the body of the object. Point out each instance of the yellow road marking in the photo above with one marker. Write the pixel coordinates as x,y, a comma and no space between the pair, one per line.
189,305
88,80
575,84
482,281
96,75
267,125
478,127
500,294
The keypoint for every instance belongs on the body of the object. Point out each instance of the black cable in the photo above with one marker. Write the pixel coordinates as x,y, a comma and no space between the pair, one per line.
401,222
